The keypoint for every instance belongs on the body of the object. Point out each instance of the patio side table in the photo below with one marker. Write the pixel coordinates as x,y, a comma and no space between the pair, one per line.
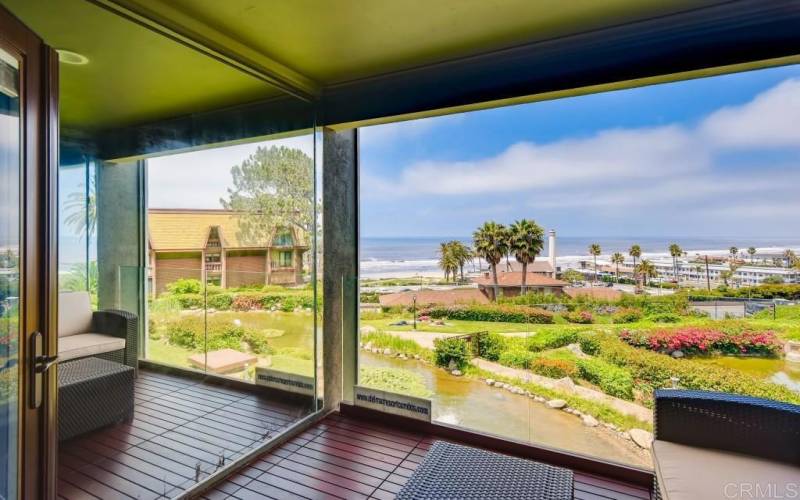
452,471
93,393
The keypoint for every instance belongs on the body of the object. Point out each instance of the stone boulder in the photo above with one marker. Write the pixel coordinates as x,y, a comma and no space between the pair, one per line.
556,403
367,329
642,438
590,421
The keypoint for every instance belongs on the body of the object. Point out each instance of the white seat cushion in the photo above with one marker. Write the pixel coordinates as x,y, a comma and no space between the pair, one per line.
87,344
74,313
689,473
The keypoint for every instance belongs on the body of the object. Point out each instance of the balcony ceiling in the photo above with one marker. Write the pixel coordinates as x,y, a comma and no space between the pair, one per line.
136,75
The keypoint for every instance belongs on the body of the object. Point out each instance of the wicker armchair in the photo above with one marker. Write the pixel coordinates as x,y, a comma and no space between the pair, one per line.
716,445
83,333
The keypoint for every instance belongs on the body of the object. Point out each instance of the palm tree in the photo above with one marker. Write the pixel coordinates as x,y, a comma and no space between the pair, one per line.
81,210
461,254
525,241
675,251
635,251
647,270
752,252
733,251
491,243
594,251
447,260
617,259
789,256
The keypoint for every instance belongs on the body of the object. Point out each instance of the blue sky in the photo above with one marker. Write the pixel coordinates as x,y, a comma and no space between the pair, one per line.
711,157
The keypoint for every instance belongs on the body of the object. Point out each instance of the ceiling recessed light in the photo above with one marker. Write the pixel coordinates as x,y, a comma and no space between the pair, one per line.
69,57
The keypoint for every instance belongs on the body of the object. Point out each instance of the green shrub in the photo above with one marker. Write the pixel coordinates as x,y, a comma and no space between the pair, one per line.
654,370
665,318
451,349
184,286
494,313
580,317
627,315
191,300
369,297
517,358
611,379
490,346
247,301
554,368
221,301
551,339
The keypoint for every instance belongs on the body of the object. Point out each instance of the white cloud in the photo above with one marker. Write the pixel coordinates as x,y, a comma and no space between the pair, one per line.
772,119
631,154
627,165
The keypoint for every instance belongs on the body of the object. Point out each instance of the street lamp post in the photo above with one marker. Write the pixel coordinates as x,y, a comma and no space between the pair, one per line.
414,308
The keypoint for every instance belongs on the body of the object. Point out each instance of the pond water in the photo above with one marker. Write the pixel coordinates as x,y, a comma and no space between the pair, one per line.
472,404
775,370
467,402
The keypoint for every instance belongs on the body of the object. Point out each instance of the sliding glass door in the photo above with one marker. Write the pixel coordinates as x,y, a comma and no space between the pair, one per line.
26,383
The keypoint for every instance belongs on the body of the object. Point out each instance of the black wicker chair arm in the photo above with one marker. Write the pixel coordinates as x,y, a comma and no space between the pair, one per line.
122,324
754,426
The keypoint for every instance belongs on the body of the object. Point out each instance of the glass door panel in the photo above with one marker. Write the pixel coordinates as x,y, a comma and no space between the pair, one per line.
9,272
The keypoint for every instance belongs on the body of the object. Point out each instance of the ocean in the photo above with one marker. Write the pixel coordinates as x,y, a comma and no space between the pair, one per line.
418,256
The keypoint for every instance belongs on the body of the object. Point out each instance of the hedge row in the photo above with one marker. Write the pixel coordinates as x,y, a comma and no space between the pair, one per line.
496,313
652,370
246,301
612,379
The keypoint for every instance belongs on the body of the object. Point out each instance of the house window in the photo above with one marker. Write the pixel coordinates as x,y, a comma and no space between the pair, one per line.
284,259
283,239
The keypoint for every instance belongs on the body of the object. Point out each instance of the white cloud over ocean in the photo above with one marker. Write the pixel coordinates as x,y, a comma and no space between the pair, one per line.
634,166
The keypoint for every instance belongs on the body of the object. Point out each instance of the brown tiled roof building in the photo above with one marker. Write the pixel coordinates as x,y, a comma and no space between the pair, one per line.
209,245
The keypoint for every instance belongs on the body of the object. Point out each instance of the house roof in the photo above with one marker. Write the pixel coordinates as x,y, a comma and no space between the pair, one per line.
601,293
434,297
514,279
179,229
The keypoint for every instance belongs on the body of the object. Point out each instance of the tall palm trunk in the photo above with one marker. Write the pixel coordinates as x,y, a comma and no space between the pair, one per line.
524,276
461,267
594,279
494,280
617,272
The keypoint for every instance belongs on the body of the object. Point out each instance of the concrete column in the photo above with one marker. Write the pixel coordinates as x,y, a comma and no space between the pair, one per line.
340,264
121,241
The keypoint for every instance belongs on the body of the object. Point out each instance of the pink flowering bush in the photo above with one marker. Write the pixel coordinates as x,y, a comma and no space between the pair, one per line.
580,317
704,340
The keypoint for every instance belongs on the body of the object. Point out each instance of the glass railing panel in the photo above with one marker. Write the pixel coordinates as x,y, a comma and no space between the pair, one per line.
176,316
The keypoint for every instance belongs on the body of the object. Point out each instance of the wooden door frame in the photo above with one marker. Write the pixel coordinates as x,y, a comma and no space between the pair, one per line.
38,439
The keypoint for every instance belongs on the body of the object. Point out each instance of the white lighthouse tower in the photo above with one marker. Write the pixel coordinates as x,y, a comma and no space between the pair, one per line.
551,250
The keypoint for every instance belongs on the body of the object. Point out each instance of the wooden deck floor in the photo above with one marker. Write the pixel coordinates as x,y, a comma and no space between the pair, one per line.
179,424
342,457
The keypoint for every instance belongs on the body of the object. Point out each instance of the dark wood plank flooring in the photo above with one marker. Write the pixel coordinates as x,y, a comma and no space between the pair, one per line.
342,457
179,424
